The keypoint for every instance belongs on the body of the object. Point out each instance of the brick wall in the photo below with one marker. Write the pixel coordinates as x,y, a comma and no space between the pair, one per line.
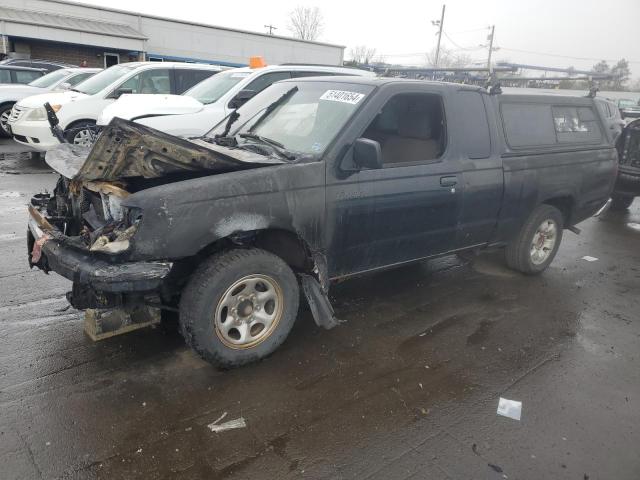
73,54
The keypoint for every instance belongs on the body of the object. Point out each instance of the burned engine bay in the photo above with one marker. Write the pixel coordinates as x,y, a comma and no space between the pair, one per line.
85,209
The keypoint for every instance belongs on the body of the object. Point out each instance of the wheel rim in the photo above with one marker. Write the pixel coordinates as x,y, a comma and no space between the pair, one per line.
249,311
4,120
544,240
84,138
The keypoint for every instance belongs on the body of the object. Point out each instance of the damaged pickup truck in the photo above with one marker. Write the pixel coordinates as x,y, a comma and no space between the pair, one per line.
311,181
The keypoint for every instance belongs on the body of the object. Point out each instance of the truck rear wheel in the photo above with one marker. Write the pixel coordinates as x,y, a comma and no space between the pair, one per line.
621,202
239,306
538,241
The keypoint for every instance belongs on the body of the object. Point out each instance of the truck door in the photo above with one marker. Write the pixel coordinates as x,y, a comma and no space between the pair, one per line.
409,208
481,165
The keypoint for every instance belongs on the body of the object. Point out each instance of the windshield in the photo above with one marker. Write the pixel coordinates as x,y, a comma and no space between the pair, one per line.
626,103
102,80
210,90
302,117
49,79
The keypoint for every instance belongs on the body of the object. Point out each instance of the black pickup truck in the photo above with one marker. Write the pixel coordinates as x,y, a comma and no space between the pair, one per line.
311,181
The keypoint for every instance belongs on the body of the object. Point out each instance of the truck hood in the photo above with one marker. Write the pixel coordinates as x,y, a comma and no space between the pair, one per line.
54,98
127,150
131,107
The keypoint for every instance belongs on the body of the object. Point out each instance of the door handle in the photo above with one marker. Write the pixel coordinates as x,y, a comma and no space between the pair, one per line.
448,181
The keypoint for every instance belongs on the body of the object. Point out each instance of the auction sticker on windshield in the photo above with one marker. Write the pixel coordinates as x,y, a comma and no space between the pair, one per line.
342,96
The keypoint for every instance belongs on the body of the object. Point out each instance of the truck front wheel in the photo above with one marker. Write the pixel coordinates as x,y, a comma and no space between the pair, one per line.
239,306
538,241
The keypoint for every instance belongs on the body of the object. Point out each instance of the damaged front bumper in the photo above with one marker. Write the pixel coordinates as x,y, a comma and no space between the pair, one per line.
50,250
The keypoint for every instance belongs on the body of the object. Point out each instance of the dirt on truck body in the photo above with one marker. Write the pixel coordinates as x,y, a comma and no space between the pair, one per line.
311,181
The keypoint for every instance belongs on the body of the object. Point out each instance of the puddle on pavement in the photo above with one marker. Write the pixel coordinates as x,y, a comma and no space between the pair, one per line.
22,163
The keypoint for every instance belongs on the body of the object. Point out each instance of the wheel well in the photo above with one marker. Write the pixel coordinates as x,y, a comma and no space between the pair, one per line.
565,205
76,122
7,103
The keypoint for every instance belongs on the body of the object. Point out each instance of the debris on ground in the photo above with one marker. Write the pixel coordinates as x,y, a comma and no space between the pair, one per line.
589,258
510,408
230,425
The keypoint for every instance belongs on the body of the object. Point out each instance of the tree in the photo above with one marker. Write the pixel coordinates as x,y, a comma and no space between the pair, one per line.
306,23
448,59
362,54
621,74
601,67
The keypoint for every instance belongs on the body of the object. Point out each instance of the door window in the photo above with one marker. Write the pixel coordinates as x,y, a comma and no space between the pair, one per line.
149,81
187,78
5,76
410,128
575,124
25,76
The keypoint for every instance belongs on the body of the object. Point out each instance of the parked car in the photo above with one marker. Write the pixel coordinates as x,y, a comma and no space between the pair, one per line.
79,108
628,182
46,65
61,79
193,113
611,114
628,108
314,180
22,75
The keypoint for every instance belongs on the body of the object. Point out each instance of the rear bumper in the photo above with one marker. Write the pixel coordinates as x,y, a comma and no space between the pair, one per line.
628,182
85,268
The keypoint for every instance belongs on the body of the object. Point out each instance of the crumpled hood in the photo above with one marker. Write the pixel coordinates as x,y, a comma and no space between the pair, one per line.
131,107
126,149
54,98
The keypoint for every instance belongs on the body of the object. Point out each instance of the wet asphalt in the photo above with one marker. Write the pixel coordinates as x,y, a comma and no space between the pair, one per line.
406,388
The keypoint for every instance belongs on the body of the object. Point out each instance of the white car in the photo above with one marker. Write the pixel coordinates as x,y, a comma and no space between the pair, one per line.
61,79
196,111
78,108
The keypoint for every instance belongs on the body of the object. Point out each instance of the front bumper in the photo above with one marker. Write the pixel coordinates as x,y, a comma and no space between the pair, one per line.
56,253
35,134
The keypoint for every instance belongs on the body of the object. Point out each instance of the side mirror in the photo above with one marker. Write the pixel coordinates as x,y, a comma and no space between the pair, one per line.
121,91
241,98
367,153
65,86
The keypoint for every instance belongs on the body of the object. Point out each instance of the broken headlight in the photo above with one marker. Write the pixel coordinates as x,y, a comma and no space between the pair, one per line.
118,239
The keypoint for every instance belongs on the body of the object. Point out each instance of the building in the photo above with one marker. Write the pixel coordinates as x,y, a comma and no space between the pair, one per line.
72,32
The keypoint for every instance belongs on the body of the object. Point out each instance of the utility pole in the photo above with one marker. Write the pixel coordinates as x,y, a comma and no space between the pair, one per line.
440,24
271,28
490,38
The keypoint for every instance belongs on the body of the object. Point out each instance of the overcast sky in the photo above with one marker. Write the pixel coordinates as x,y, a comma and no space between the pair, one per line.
559,33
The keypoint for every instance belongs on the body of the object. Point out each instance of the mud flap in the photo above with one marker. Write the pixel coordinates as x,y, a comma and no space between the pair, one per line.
319,303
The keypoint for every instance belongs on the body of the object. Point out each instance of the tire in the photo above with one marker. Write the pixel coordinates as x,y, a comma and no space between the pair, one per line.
207,320
5,111
531,252
620,203
81,133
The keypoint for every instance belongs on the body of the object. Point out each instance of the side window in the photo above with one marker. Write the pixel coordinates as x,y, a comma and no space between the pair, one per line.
528,124
5,76
476,139
149,81
263,81
81,77
409,128
576,124
187,78
26,76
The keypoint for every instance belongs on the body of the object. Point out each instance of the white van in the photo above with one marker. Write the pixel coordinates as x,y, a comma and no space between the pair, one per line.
61,79
78,108
196,111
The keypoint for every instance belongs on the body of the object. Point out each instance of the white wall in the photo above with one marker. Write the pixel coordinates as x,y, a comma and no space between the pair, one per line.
176,39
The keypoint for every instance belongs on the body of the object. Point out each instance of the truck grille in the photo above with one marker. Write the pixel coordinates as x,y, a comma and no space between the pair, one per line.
16,113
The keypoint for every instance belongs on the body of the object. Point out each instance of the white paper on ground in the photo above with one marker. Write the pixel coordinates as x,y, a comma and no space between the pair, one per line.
510,408
230,425
589,259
